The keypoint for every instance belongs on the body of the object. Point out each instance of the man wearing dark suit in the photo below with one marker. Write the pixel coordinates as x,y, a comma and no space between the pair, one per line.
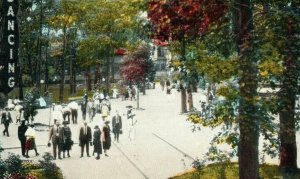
85,136
6,119
56,133
117,125
21,134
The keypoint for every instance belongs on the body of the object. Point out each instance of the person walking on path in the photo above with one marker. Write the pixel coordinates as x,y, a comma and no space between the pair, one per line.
56,134
74,111
117,125
97,142
85,136
6,120
105,109
30,140
18,109
162,84
106,140
66,112
133,93
84,105
131,123
67,139
21,135
168,84
91,110
83,110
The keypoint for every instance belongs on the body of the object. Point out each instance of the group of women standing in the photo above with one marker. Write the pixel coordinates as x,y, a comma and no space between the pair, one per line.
103,135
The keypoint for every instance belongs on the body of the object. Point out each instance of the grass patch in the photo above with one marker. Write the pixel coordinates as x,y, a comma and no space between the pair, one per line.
229,171
54,92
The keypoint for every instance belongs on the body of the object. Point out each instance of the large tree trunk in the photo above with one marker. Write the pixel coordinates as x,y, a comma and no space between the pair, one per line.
113,66
62,64
71,76
30,63
74,74
46,63
183,98
39,49
107,74
62,80
248,118
209,90
97,75
138,97
89,79
190,97
287,134
182,88
21,93
46,67
144,87
74,82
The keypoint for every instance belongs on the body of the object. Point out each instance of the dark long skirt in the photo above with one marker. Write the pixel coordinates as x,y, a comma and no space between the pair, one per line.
97,142
107,142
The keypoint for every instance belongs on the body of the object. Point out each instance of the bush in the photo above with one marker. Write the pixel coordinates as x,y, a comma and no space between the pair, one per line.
15,168
3,100
50,170
27,81
2,168
14,165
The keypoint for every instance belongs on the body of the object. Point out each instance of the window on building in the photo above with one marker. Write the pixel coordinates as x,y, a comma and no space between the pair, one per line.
160,52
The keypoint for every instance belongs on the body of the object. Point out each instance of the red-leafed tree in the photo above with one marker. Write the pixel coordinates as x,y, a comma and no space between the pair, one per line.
133,70
174,19
136,67
179,20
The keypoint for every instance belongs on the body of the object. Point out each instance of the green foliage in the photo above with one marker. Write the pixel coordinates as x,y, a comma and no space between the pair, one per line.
216,68
3,100
30,103
2,168
229,170
216,60
229,92
14,165
26,79
50,170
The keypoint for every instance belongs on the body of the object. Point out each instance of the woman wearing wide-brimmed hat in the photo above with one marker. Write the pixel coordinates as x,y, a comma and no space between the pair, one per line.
97,142
106,140
67,139
30,140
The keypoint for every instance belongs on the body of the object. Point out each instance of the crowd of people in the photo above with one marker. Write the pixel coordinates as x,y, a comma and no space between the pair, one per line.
100,138
60,134
95,135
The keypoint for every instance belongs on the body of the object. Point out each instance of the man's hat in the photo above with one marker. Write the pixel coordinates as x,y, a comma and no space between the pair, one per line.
65,122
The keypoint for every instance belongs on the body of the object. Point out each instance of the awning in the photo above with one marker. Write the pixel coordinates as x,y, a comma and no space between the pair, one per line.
160,43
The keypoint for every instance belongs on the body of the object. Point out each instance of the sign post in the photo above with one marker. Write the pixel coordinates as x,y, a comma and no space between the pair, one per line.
9,44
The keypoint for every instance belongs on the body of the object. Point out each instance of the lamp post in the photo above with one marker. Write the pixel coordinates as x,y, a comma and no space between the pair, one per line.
42,82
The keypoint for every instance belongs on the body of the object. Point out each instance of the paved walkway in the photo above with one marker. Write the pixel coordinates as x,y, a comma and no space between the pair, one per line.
164,143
